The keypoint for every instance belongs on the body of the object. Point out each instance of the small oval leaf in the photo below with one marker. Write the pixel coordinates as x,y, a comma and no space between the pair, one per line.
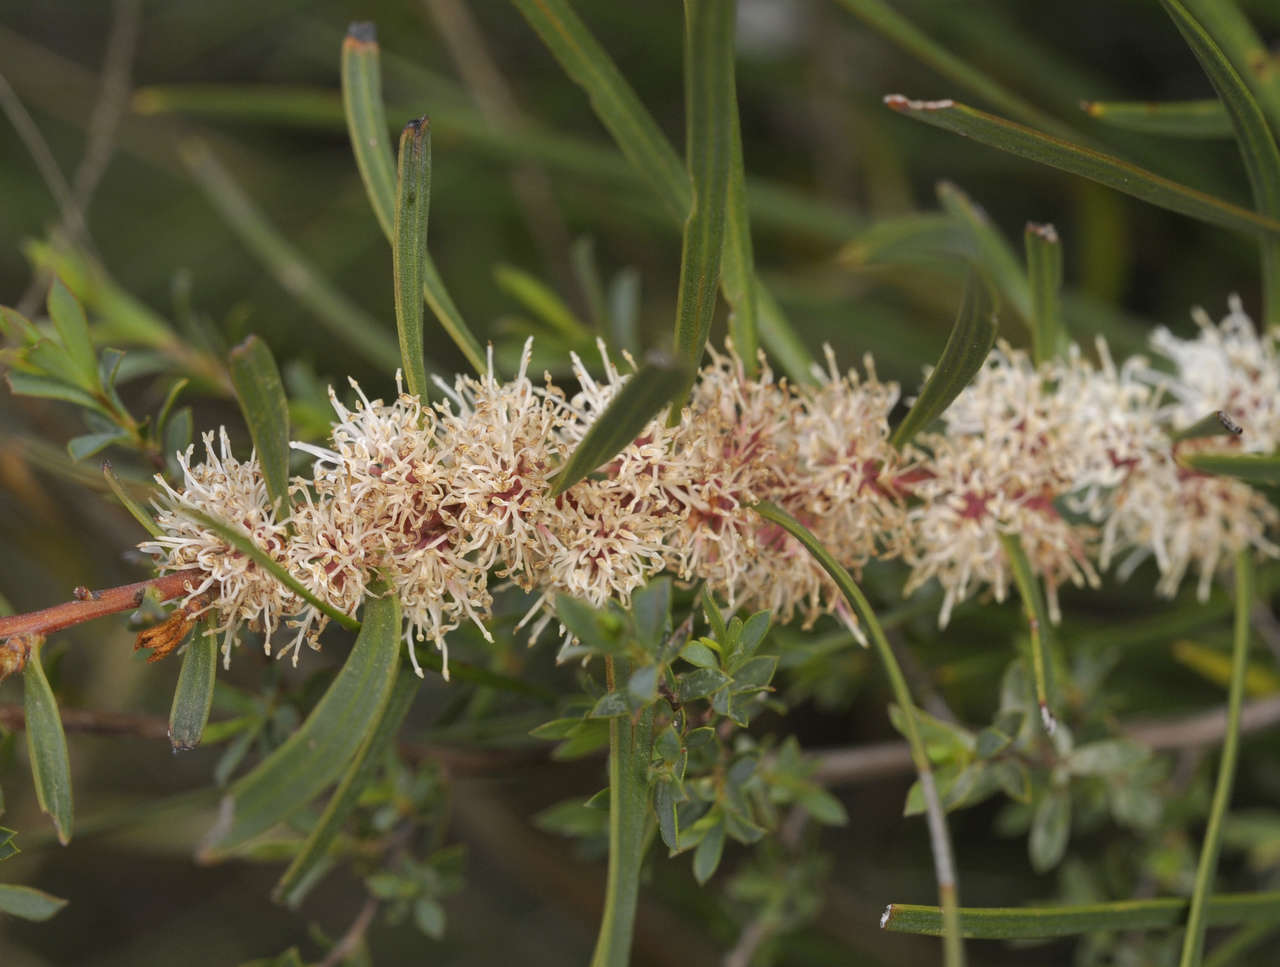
193,696
68,318
47,747
1050,830
28,902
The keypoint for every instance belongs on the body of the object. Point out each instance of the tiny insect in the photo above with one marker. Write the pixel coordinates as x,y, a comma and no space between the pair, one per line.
1230,425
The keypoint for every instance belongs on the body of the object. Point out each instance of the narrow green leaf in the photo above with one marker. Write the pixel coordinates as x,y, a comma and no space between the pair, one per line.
939,836
879,15
409,248
1217,423
47,747
994,257
238,538
780,338
615,103
1257,141
266,412
626,416
323,746
1044,271
708,100
367,121
450,319
357,329
1198,917
1257,64
630,794
1034,923
367,127
738,266
1038,623
919,237
586,272
966,350
1181,119
193,695
140,513
73,330
1254,468
28,903
1105,169
303,872
539,298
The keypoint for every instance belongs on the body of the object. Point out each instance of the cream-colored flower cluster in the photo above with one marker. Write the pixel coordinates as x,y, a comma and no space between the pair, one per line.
1076,459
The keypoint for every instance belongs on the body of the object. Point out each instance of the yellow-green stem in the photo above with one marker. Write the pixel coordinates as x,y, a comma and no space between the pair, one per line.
1193,941
939,838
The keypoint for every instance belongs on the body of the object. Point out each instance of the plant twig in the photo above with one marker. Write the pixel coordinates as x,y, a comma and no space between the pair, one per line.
96,604
95,722
350,940
879,760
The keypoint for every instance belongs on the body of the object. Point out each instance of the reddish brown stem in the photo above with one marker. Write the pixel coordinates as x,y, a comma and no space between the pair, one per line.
97,604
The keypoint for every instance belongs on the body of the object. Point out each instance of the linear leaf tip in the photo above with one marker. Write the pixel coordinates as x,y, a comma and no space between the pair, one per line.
362,32
902,104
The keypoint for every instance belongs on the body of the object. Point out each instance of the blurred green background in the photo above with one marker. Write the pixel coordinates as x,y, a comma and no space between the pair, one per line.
522,172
